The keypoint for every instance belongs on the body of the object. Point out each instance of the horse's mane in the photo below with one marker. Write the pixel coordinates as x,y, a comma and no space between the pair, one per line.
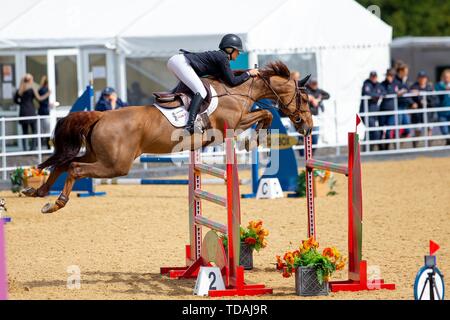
276,68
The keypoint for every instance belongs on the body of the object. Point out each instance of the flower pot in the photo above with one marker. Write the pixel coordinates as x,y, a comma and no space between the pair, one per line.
307,284
246,256
34,182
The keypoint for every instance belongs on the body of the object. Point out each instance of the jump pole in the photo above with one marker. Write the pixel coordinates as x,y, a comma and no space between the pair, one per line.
197,252
357,268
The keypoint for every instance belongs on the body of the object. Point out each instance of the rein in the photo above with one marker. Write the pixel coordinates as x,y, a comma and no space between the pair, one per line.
295,114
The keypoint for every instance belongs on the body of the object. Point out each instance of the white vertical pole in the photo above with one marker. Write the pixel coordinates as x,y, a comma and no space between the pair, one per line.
39,139
252,59
338,149
425,120
3,128
122,76
397,131
51,76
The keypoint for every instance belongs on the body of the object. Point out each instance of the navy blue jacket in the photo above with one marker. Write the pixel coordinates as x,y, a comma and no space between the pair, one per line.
432,101
43,105
105,105
388,104
403,103
373,90
217,64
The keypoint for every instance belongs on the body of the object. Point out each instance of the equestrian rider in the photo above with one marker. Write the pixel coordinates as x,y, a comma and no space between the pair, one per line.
188,67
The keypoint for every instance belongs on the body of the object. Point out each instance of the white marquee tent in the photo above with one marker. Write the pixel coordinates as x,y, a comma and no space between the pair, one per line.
347,40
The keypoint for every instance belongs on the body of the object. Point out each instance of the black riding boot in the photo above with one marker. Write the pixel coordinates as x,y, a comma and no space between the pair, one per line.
193,111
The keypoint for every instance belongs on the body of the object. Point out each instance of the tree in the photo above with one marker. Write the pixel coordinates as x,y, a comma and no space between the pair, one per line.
414,18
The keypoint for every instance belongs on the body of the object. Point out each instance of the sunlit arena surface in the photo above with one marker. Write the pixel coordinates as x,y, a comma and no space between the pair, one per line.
120,241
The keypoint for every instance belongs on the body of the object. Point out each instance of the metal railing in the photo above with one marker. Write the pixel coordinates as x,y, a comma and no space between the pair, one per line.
39,152
426,124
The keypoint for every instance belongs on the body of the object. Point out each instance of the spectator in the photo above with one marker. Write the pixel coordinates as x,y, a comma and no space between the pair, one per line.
136,96
109,101
24,98
444,116
44,110
421,101
372,89
316,98
388,104
404,103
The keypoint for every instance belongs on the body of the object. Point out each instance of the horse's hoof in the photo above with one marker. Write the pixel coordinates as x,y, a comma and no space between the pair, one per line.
49,208
30,192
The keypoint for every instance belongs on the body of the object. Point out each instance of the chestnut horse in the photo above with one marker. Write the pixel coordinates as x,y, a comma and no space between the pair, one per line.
114,139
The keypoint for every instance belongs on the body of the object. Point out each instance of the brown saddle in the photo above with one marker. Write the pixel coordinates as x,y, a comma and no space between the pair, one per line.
181,95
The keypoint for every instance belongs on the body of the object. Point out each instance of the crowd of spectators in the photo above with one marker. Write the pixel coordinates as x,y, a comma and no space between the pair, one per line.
397,93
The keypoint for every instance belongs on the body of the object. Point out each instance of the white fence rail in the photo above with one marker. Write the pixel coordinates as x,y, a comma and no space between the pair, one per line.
39,151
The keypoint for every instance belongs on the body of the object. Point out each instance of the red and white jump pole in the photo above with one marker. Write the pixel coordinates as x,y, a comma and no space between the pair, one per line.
201,251
357,268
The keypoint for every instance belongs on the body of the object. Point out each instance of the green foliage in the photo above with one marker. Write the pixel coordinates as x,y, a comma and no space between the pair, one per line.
301,186
17,180
323,266
414,18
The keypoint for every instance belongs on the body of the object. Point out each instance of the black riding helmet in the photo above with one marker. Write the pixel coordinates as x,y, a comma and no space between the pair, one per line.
231,41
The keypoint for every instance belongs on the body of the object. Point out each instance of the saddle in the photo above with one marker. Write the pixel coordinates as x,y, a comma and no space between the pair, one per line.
181,95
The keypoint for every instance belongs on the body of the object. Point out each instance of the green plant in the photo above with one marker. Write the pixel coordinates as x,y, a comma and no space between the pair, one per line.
17,180
325,176
301,187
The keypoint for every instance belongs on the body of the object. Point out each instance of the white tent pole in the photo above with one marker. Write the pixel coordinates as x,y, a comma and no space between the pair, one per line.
122,76
252,59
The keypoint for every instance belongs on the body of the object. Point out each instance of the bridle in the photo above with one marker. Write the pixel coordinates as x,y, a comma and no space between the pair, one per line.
295,115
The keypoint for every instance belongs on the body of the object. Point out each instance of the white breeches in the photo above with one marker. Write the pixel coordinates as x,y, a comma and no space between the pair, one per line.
180,67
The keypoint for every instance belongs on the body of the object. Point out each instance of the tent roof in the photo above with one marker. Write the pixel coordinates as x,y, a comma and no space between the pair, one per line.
421,42
161,27
14,10
56,23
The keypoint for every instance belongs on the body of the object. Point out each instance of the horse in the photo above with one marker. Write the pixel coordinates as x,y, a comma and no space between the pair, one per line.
114,139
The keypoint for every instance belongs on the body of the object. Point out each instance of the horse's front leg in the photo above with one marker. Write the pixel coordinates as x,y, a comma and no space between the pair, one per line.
262,117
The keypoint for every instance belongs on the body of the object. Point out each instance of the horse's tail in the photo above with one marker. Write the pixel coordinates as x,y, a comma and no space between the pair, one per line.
69,136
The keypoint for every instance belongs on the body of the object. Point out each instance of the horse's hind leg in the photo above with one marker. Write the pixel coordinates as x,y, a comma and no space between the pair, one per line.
63,197
78,170
43,190
68,185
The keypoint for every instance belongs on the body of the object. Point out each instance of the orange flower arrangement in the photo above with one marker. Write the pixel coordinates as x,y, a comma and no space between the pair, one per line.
20,176
34,172
308,255
254,235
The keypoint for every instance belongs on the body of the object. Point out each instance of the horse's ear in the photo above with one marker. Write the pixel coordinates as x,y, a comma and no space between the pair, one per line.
304,81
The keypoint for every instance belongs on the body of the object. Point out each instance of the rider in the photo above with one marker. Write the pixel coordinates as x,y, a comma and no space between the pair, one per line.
188,67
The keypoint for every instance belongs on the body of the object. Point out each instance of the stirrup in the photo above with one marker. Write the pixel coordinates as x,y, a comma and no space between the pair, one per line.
195,129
